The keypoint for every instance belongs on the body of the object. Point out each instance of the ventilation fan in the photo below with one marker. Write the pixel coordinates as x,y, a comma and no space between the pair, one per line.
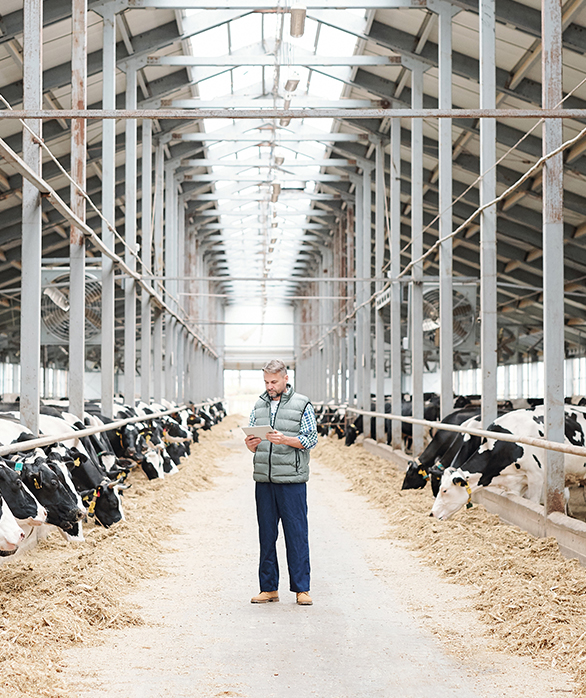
55,310
464,317
506,341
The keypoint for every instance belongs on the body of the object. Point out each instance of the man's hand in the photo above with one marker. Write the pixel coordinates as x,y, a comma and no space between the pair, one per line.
276,437
252,443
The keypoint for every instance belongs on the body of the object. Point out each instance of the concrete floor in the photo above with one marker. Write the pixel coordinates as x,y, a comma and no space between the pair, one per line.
204,638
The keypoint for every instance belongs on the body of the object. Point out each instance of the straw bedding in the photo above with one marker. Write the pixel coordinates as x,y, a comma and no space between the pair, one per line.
531,599
60,594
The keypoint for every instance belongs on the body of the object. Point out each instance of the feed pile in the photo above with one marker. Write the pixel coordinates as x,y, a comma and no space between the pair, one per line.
531,599
60,593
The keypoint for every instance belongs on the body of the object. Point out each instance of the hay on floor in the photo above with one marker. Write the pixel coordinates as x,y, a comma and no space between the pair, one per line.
531,598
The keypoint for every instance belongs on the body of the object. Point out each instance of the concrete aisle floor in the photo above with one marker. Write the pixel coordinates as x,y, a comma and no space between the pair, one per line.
203,638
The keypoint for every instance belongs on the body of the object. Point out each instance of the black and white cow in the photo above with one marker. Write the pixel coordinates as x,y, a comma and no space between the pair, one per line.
52,487
100,494
417,473
11,534
21,501
512,467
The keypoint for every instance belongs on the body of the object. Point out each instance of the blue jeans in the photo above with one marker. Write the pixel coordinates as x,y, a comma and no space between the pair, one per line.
287,503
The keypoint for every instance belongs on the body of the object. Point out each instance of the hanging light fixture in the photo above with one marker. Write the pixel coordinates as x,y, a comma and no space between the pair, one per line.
298,13
292,82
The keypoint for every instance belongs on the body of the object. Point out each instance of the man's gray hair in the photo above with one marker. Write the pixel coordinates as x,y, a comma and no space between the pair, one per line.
275,366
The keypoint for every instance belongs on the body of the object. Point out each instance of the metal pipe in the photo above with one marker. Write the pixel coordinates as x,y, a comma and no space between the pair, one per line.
488,218
416,288
366,376
395,258
130,237
146,235
30,323
78,206
359,255
314,112
170,248
553,254
446,331
379,254
497,436
108,209
158,269
42,441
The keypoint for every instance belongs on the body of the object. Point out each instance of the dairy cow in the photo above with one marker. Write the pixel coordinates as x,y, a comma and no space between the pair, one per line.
513,467
417,473
11,534
21,501
53,488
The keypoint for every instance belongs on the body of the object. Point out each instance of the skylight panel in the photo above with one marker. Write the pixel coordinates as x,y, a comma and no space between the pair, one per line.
245,76
333,42
246,31
215,87
213,42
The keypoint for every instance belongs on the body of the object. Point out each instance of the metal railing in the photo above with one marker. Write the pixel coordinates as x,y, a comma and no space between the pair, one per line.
51,439
497,436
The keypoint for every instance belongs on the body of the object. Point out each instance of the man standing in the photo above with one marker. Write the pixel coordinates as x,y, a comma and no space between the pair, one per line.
281,471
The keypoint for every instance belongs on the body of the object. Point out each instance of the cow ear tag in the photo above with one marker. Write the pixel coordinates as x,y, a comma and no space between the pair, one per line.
18,467
37,483
77,461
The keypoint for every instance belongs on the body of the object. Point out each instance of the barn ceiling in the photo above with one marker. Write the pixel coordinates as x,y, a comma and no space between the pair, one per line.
263,203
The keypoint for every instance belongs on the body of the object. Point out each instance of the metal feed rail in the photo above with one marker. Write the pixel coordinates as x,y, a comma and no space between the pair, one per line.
47,440
498,436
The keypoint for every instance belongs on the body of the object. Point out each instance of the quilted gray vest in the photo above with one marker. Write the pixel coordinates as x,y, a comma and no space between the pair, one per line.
276,462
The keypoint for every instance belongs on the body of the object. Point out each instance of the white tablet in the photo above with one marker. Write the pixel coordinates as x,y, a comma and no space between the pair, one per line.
260,432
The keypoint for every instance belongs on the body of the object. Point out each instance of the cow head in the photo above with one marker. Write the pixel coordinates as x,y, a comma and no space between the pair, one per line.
54,491
129,435
18,497
455,492
416,476
11,535
103,502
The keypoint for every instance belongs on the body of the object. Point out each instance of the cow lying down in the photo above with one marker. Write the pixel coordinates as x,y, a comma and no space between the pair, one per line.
512,467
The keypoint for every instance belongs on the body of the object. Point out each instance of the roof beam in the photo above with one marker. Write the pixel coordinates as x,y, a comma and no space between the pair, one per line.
269,60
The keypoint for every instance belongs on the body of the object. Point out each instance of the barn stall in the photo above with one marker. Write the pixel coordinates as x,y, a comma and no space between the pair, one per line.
387,195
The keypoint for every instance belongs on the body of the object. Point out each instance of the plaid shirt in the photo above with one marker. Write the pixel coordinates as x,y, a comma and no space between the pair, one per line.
308,431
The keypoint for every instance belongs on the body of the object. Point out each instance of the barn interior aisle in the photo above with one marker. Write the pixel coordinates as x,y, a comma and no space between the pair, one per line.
362,637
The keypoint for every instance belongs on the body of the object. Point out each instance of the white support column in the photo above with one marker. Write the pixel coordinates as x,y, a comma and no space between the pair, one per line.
108,207
76,238
416,252
146,239
553,253
352,289
130,237
367,274
170,250
30,319
488,288
395,244
158,271
379,254
179,264
359,253
445,210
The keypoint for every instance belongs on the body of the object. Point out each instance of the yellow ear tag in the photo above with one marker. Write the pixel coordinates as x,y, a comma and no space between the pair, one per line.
77,461
37,483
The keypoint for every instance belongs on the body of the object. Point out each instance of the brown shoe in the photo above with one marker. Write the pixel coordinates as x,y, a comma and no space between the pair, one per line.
304,599
265,597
